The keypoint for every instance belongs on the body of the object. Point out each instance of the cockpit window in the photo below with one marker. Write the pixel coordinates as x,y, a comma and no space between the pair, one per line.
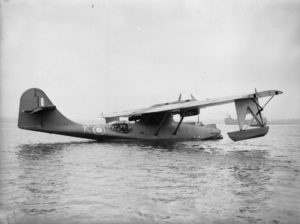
122,127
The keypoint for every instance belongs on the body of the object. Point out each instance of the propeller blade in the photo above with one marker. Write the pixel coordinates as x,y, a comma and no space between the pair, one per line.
179,98
193,98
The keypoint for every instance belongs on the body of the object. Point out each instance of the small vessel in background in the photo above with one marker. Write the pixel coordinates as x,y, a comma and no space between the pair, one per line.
230,121
253,123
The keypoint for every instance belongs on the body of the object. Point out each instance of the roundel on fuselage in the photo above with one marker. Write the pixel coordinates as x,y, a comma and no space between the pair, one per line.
98,130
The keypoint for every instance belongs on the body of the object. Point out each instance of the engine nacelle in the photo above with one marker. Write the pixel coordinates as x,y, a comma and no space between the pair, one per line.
135,118
189,112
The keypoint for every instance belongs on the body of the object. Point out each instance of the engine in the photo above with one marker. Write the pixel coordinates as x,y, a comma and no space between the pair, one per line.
189,112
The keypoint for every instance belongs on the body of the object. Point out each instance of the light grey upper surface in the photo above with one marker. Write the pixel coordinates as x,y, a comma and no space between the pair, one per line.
174,107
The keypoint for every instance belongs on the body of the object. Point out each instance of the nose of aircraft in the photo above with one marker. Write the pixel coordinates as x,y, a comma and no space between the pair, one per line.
215,133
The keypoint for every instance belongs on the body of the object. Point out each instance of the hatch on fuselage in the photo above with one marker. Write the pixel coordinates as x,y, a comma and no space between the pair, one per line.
121,127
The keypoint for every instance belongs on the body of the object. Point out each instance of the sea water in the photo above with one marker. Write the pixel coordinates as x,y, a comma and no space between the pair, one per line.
55,179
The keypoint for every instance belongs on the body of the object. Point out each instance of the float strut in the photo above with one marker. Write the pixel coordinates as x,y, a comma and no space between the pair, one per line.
181,119
256,118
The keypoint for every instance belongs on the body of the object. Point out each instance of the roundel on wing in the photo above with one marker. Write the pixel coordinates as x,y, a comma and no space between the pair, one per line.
98,130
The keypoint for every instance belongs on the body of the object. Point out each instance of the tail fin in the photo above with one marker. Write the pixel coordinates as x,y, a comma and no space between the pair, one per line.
38,113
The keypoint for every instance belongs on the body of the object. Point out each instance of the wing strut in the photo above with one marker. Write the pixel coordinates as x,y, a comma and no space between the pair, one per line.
181,119
259,121
259,110
161,123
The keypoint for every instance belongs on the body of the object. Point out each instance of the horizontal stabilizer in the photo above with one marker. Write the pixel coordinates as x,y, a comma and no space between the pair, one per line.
41,109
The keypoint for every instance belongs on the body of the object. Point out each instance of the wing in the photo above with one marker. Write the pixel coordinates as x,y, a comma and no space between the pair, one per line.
177,106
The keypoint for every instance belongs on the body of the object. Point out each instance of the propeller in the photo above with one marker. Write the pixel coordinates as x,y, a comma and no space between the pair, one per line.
179,98
193,98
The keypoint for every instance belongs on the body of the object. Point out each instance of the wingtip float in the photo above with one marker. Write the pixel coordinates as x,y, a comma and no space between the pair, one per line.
38,113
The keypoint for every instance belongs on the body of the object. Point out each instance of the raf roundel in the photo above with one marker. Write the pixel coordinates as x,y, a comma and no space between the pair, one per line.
98,130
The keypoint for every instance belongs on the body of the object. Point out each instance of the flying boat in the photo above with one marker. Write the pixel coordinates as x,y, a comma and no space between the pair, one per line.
156,122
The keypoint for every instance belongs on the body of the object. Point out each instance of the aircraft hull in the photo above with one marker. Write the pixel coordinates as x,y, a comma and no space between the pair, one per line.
139,131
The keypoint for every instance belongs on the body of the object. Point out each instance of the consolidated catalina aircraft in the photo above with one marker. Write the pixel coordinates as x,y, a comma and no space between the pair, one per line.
38,113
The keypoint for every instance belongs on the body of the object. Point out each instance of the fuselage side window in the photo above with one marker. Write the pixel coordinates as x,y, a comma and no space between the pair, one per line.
121,127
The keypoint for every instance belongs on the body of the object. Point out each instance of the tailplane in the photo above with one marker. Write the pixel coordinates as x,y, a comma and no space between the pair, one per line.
38,113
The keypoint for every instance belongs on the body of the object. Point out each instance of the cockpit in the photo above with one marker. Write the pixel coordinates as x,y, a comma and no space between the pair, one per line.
121,127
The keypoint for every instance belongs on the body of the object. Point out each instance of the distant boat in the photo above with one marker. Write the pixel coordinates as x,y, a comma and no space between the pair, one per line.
230,121
253,123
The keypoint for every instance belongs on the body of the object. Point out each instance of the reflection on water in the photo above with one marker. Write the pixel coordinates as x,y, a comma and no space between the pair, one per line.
165,182
133,182
41,188
41,150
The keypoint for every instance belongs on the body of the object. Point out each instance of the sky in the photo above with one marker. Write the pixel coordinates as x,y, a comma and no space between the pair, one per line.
110,55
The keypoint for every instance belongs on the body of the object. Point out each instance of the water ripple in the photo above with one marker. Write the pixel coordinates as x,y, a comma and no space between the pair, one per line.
62,180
